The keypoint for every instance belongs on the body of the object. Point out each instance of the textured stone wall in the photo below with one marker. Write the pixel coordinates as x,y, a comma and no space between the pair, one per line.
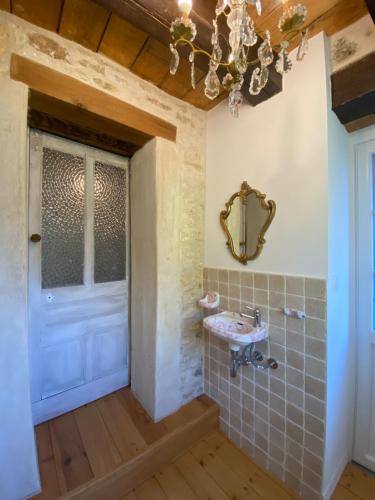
18,36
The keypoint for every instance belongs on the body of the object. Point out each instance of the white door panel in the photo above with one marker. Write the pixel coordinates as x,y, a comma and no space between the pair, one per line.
62,366
78,274
364,446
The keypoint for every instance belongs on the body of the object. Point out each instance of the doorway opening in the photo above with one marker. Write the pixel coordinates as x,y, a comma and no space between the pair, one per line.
78,274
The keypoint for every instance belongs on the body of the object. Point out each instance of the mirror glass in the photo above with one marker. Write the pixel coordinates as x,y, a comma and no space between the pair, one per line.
245,221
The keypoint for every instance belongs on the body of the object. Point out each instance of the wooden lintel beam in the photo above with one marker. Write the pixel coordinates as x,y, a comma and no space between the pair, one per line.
371,8
353,90
154,17
137,124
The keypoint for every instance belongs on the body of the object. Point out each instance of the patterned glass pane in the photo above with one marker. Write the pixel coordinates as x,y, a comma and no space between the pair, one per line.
109,223
63,204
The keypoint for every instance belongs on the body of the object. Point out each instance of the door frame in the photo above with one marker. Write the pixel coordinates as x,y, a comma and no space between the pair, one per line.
50,407
362,204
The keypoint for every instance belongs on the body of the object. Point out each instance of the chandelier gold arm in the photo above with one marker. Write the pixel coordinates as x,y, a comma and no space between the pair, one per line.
196,50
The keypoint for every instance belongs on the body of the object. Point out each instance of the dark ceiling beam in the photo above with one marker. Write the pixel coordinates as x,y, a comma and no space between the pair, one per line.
154,17
353,90
371,8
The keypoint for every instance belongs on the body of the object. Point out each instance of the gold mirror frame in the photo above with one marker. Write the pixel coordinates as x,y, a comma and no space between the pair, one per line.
269,206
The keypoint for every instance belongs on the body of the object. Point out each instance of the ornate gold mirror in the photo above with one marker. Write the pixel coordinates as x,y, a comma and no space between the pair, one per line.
245,221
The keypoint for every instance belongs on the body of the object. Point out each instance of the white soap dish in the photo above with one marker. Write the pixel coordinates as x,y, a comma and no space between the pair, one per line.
210,301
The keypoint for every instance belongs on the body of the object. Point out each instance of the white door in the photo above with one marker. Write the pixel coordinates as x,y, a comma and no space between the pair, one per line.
364,445
78,274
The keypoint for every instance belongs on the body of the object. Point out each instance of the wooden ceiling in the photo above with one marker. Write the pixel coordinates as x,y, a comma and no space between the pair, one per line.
135,33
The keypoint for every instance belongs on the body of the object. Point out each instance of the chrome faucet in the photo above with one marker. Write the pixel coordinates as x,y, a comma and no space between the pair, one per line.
257,316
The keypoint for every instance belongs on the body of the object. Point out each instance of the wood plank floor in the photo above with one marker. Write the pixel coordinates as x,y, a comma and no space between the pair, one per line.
215,469
98,437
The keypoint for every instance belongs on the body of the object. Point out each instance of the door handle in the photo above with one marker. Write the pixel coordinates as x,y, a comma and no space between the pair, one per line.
35,238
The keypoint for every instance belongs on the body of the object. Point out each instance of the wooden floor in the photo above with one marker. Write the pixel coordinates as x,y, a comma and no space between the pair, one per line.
96,438
213,469
355,483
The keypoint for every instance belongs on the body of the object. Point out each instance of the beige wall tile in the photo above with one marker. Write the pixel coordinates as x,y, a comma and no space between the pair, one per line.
315,368
223,289
223,275
277,318
260,297
261,281
247,279
276,283
234,277
295,285
294,377
295,359
276,300
295,325
315,288
294,414
315,348
295,341
234,292
294,396
315,387
295,302
316,328
314,425
314,406
316,308
212,274
294,431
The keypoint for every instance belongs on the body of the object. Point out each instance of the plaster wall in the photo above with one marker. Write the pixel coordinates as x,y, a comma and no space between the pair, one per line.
18,473
156,294
280,148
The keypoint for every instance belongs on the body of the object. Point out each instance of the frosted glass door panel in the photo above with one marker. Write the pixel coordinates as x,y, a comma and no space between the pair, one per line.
109,223
63,206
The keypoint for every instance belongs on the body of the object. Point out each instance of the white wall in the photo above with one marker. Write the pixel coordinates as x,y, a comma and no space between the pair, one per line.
280,148
340,365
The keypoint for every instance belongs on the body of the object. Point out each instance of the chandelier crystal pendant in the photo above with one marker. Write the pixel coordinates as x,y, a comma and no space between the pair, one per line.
232,60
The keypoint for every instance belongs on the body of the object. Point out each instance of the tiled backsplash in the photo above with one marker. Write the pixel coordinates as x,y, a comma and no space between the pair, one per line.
275,416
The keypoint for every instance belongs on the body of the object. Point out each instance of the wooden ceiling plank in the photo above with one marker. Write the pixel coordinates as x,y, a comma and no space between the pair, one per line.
153,61
179,84
122,41
84,22
65,88
37,12
340,16
196,96
329,16
155,17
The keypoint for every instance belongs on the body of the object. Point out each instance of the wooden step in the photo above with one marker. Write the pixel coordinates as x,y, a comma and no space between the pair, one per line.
201,419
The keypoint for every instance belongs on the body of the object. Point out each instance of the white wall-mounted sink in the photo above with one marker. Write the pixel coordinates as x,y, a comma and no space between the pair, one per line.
235,329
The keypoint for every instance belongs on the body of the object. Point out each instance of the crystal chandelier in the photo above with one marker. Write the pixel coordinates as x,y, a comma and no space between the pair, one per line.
241,37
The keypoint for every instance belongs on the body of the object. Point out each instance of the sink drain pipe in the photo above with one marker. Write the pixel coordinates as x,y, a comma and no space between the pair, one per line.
249,357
